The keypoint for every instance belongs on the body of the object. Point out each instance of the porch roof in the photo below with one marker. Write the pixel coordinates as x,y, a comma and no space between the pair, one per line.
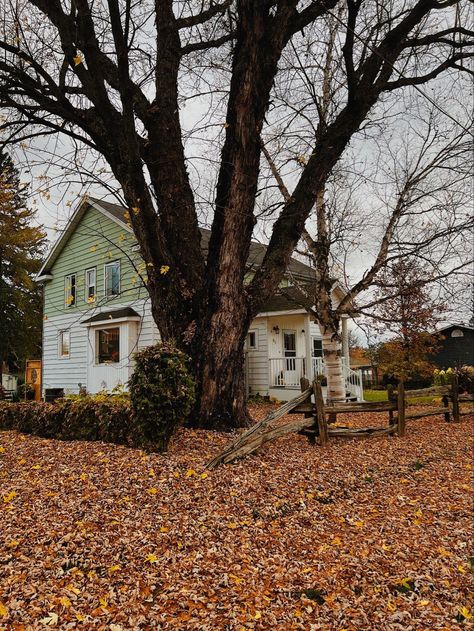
287,299
125,312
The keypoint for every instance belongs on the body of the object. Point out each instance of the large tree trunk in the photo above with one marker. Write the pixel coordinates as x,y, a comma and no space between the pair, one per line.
214,339
221,401
332,353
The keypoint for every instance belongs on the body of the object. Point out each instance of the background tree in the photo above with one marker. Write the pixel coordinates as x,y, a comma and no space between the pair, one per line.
21,249
408,312
422,216
114,76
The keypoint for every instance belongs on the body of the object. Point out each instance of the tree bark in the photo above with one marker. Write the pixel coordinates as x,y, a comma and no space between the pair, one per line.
332,353
218,360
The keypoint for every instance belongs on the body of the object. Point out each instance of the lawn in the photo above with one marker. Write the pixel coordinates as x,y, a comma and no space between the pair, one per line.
381,395
364,534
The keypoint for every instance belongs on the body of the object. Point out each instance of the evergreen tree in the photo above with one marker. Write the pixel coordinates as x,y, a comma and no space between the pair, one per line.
21,249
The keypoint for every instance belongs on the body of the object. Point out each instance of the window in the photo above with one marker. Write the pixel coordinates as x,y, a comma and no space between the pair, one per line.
252,340
457,333
90,285
64,343
289,343
317,347
112,279
108,346
70,290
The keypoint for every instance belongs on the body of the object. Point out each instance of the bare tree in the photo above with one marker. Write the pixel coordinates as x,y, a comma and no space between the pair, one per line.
424,217
113,76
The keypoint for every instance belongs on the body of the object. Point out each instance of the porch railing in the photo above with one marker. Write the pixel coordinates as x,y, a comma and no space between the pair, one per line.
353,380
286,372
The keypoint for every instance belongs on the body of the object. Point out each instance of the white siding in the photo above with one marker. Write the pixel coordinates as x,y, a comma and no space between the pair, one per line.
68,372
314,330
257,359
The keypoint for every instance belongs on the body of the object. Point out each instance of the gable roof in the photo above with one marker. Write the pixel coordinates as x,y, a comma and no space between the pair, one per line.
117,213
287,299
468,327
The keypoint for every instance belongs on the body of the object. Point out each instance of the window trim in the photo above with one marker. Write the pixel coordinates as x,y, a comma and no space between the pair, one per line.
87,286
96,344
249,347
112,296
66,303
60,343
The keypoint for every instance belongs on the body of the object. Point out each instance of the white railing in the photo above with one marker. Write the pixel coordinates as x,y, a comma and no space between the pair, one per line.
286,372
352,378
318,367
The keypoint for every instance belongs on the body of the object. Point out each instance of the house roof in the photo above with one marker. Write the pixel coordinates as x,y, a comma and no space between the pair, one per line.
125,312
256,253
456,326
119,214
287,299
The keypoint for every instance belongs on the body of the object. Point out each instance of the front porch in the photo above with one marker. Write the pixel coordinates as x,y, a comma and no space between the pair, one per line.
285,375
282,347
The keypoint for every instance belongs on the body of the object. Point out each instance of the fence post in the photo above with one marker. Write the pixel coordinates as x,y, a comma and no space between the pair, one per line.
320,412
401,409
391,399
455,395
445,401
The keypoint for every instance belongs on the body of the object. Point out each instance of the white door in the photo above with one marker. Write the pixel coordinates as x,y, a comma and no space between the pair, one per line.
108,356
289,355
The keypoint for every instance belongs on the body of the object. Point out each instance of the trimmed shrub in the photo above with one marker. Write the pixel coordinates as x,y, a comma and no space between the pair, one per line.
85,419
161,391
90,419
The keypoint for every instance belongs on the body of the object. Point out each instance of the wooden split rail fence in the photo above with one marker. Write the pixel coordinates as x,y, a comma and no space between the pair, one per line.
319,417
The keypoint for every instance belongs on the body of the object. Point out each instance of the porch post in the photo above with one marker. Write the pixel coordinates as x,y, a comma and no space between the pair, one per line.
308,349
345,340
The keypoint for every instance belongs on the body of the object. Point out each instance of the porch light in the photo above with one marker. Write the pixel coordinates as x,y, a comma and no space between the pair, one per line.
276,329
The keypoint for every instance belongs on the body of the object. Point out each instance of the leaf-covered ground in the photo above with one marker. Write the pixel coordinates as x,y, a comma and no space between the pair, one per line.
364,534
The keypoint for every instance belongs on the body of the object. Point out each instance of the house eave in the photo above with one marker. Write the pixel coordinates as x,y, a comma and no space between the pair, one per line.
42,278
266,314
112,322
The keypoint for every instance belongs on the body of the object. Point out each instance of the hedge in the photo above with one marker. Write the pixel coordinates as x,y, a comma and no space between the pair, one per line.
82,419
161,396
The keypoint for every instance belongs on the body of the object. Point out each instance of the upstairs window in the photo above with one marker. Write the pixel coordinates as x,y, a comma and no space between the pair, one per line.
70,290
112,279
64,343
91,285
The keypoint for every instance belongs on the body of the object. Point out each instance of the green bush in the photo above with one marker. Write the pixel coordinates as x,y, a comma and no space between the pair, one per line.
85,419
42,419
161,391
90,419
